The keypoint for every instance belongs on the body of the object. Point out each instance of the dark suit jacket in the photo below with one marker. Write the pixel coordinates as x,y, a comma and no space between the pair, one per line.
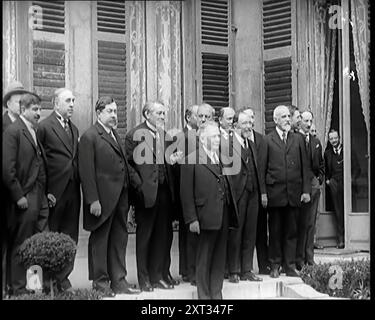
240,179
141,137
261,151
6,120
20,161
316,161
202,197
286,170
62,156
104,172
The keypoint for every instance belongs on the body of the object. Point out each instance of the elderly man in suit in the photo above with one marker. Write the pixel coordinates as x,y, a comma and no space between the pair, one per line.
308,213
106,179
209,209
241,241
11,102
205,113
262,221
186,143
59,137
145,149
25,176
226,116
287,186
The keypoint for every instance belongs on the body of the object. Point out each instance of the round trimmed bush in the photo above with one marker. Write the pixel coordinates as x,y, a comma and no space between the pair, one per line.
51,250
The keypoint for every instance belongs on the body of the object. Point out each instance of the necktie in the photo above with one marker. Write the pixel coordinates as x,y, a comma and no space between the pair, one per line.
33,134
67,128
307,139
113,136
284,137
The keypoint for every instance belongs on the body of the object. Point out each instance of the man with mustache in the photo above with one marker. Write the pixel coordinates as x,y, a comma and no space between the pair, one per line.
106,178
59,137
209,209
153,214
308,214
25,176
287,186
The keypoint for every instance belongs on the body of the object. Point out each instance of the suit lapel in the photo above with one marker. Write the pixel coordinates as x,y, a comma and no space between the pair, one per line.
205,160
27,134
277,140
289,140
60,132
108,138
240,152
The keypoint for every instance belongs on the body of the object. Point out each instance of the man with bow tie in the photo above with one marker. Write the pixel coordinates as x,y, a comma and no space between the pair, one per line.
106,179
59,137
288,186
25,175
145,148
308,213
209,209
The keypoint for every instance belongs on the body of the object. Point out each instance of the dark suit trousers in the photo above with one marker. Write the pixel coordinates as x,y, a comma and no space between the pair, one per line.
26,223
306,229
152,239
337,193
241,241
167,259
283,236
191,250
107,247
64,218
262,239
182,247
210,263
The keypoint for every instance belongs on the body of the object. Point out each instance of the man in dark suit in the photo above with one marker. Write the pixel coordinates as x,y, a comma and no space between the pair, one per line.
209,209
226,116
295,118
59,137
262,221
186,143
241,241
308,212
287,186
106,178
11,102
145,149
11,105
334,163
25,177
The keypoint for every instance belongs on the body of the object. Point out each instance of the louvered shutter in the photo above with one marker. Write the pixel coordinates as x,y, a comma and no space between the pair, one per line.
214,54
49,51
110,47
277,55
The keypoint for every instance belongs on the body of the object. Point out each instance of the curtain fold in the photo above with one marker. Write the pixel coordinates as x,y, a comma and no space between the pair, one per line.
361,40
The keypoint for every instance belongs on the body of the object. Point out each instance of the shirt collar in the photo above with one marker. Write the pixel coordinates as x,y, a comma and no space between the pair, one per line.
280,133
188,126
151,127
28,124
108,130
211,154
12,117
240,139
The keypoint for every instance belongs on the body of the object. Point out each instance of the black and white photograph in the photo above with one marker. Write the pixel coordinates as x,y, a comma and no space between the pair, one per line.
198,152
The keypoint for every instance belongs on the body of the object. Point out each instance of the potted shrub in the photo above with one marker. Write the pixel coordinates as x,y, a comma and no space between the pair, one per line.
53,251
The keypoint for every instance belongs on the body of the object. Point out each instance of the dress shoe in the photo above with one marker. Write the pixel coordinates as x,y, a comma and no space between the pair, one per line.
168,279
193,282
341,245
226,275
124,288
250,276
292,273
234,278
147,287
274,273
185,279
22,291
318,246
161,284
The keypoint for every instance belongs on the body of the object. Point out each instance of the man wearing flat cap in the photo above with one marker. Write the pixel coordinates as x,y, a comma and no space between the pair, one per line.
11,103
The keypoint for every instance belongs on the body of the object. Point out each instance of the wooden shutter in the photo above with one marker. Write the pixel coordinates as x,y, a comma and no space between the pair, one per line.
110,52
49,51
214,52
277,56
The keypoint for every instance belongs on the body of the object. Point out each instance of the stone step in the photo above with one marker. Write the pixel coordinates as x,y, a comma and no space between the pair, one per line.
282,287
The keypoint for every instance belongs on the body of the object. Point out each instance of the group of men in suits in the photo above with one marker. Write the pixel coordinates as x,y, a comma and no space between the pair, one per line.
231,188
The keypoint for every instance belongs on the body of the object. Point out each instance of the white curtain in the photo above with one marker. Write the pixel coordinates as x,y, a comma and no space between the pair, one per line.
361,41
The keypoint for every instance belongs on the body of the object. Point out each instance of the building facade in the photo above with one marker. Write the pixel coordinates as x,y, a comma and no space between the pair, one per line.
260,53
